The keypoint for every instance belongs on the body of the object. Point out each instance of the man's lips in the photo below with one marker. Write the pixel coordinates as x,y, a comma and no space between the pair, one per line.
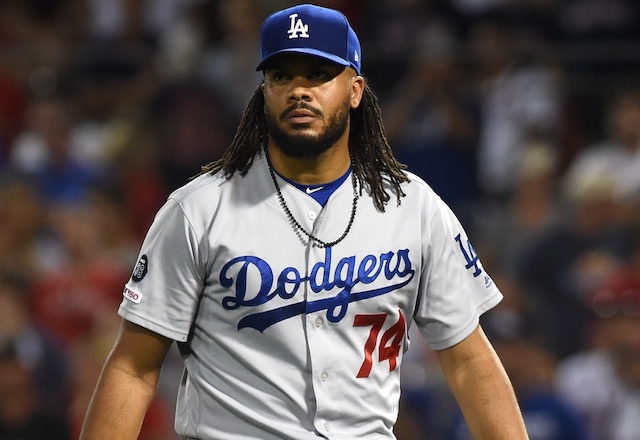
300,116
300,113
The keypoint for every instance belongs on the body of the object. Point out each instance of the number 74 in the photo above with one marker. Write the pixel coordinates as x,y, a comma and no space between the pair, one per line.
390,343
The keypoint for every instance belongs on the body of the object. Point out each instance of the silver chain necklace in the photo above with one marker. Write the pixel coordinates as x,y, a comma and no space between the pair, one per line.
298,226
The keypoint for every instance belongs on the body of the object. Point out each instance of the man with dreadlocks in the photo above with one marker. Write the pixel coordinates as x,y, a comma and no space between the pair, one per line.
289,271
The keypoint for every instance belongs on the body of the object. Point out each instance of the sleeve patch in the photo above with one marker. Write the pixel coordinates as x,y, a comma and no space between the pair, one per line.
141,269
132,295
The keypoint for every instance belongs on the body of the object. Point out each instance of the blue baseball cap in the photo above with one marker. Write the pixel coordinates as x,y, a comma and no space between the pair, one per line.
312,30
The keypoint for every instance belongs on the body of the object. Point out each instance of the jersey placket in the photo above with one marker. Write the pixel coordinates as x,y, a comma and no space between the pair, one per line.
325,365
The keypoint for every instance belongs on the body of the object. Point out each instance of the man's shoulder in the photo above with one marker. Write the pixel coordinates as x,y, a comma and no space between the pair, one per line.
211,185
203,185
416,186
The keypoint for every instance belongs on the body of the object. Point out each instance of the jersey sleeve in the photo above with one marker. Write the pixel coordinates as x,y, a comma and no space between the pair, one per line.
163,292
454,286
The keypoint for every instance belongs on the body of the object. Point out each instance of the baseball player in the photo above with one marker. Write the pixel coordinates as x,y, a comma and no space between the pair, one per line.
289,271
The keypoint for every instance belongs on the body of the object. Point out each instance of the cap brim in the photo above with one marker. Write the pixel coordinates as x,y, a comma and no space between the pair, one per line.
306,51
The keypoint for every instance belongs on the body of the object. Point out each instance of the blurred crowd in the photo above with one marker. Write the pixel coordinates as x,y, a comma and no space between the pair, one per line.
524,115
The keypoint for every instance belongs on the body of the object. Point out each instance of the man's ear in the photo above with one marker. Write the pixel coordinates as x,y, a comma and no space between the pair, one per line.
357,89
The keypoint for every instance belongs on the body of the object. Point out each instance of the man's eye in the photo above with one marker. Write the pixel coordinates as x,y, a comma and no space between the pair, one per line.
318,74
279,76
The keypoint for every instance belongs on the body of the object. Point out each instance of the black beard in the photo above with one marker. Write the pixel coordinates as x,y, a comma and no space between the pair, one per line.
306,146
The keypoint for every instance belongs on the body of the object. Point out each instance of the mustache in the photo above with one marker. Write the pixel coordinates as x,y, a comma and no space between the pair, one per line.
298,106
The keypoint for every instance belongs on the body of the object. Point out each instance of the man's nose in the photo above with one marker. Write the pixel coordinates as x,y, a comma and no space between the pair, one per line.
300,89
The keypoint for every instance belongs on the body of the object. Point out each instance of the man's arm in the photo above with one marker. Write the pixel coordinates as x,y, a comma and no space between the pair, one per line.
127,385
482,389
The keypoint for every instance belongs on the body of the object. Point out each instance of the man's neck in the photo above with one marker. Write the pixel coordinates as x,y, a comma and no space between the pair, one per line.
324,168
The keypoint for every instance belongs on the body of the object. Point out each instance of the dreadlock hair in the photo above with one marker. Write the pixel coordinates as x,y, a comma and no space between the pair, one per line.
373,160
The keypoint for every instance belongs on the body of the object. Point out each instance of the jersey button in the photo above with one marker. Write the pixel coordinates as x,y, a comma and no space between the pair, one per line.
312,215
318,322
324,377
327,427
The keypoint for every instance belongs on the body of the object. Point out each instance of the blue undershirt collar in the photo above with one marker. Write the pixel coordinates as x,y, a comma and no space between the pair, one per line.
320,193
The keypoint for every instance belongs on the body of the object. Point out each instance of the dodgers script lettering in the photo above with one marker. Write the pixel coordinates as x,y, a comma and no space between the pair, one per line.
343,277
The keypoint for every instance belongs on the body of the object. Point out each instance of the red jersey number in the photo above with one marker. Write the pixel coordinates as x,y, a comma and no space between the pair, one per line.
390,343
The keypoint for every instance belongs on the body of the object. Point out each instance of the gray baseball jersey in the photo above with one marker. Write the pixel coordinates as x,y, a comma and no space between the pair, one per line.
285,340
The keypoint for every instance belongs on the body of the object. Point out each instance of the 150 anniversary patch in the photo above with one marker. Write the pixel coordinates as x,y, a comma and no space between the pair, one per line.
141,269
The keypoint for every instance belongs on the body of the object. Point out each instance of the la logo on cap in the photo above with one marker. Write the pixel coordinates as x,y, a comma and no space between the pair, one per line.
312,30
298,28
